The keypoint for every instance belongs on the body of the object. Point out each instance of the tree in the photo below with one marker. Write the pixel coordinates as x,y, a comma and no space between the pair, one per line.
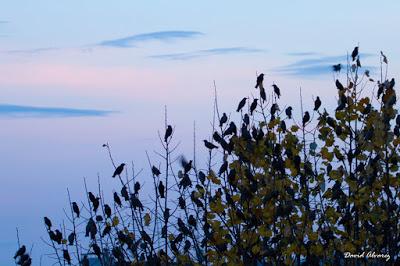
275,191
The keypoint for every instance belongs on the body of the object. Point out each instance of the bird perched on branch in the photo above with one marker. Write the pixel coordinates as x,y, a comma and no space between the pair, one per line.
223,119
288,112
209,145
253,106
168,133
119,170
277,91
339,85
241,104
21,251
75,208
337,68
117,200
317,103
354,54
155,171
47,222
306,118
161,189
260,79
231,129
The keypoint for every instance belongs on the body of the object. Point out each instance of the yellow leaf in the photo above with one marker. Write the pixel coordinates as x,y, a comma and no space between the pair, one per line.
147,219
115,221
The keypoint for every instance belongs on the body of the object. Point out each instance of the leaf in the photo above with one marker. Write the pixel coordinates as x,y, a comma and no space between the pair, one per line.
115,221
147,219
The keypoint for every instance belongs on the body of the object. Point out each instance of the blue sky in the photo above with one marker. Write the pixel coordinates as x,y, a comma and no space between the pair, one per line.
75,74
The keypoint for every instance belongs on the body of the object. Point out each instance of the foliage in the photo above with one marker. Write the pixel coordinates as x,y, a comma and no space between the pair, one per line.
275,191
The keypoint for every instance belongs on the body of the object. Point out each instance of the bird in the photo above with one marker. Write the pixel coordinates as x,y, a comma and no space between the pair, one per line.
47,222
223,119
168,133
217,137
118,170
187,166
107,210
317,103
124,193
263,96
246,119
21,251
75,208
339,85
260,79
96,250
161,189
182,203
277,90
91,229
241,104
155,171
106,230
288,112
66,256
253,106
192,221
71,239
274,108
354,54
223,168
58,236
209,145
231,129
117,200
306,118
136,187
187,246
283,125
95,201
337,68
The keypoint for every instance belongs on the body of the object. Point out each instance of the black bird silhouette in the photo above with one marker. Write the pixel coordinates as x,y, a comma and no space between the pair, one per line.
155,171
161,189
168,133
253,106
209,145
24,259
146,237
96,250
47,222
66,256
182,203
217,137
223,168
354,54
277,90
283,125
95,201
187,166
187,246
231,129
106,230
288,112
223,119
119,170
117,200
136,187
91,229
339,85
202,177
274,108
306,118
71,239
241,104
124,193
185,181
317,103
260,79
182,227
107,210
192,221
381,87
21,251
246,119
75,208
58,235
263,96
337,68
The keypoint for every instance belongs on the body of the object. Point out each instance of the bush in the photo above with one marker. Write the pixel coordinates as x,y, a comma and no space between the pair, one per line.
285,191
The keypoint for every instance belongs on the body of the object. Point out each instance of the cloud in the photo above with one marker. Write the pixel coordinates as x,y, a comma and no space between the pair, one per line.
162,36
32,51
10,110
301,53
207,52
318,66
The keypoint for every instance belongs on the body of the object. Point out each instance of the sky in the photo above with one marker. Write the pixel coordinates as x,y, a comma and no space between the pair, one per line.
76,74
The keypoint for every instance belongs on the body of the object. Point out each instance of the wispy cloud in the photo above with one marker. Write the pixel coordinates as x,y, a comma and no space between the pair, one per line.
317,66
18,111
32,51
162,36
207,52
3,21
302,53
